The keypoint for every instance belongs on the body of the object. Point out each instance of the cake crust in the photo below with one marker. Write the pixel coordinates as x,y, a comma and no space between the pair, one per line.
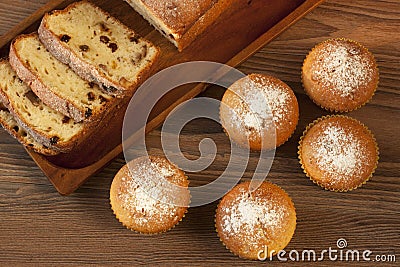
35,117
86,109
9,123
132,204
249,222
259,111
86,68
338,153
340,75
181,21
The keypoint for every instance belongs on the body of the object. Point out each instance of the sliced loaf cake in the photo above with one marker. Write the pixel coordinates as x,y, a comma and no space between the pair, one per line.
14,129
98,47
55,83
45,125
181,21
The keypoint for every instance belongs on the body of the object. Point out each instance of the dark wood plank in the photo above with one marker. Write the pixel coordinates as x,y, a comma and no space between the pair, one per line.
39,227
230,40
19,10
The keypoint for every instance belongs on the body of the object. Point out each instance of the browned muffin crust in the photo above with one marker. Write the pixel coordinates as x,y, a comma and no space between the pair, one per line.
135,208
338,153
248,222
268,109
340,75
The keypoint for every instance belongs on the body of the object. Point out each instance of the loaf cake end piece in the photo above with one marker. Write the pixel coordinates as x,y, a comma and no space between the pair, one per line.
181,21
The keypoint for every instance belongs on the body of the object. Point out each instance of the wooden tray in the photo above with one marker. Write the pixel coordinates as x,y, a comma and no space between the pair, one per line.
234,38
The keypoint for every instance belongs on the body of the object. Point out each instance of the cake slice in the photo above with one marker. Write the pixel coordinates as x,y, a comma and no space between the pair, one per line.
55,83
181,21
98,47
14,129
45,125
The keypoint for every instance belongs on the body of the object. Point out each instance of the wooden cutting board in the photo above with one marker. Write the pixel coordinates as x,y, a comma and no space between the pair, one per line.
236,36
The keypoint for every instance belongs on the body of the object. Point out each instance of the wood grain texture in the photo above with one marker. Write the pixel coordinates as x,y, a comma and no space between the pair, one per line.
17,11
229,40
39,227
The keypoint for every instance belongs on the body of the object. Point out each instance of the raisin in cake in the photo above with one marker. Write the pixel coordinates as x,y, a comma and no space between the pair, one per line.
55,83
9,123
42,123
181,21
98,47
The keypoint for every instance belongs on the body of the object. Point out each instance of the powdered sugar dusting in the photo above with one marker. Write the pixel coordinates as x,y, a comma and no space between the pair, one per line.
179,15
264,103
146,205
339,153
165,171
253,218
342,67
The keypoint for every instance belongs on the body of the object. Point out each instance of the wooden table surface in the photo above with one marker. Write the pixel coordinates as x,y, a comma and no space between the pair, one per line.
39,226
